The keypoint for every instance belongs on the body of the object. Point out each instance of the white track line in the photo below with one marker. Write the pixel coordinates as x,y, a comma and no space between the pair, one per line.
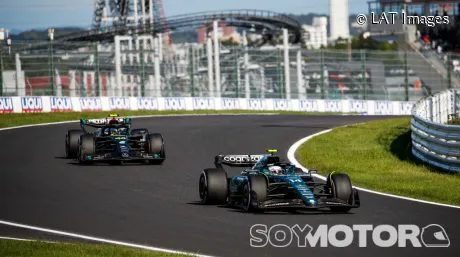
292,159
133,117
28,240
102,240
17,239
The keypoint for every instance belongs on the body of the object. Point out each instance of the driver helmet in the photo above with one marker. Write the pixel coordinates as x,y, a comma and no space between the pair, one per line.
113,131
114,121
276,170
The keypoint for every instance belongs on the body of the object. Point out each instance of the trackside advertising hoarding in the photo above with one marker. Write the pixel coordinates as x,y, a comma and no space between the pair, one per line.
37,104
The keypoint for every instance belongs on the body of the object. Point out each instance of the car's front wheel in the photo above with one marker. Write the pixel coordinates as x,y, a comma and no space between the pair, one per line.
342,189
155,146
86,149
254,193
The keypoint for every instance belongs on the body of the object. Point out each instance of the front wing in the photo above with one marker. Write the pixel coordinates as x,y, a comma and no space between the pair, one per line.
300,204
132,156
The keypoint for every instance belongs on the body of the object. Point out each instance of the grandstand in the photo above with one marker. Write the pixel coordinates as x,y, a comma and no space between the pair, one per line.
434,71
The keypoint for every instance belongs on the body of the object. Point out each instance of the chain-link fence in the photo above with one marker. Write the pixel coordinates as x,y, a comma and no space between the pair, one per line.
98,69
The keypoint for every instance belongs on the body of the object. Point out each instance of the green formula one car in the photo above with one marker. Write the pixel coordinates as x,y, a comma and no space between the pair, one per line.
269,183
114,142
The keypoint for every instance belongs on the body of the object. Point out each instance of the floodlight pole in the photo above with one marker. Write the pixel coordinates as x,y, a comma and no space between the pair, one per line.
2,37
51,38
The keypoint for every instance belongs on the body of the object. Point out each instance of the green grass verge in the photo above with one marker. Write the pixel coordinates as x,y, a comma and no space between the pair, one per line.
377,156
17,119
454,122
15,248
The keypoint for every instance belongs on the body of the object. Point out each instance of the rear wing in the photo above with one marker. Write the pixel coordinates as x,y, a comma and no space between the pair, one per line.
246,160
98,123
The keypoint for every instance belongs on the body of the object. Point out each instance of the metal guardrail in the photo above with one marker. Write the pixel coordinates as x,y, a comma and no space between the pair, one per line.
433,140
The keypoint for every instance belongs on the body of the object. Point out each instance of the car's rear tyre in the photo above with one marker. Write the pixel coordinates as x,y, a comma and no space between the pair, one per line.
342,189
155,146
71,142
86,149
213,186
254,192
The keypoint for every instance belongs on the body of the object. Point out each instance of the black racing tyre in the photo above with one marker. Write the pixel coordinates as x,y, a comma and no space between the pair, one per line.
254,189
155,145
213,186
86,147
71,142
342,189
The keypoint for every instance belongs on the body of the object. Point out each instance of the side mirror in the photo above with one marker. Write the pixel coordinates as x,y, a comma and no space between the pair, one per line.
313,171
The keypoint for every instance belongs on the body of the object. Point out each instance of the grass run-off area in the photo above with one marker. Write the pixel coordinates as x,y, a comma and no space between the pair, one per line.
377,156
17,119
16,248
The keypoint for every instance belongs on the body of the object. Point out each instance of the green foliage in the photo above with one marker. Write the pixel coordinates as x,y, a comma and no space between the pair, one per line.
364,43
453,119
229,42
42,34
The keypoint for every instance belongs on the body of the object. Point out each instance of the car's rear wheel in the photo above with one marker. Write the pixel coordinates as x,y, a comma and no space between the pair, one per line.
342,189
155,146
71,142
213,186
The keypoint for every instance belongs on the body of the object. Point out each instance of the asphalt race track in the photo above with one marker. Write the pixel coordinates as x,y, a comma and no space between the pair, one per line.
157,205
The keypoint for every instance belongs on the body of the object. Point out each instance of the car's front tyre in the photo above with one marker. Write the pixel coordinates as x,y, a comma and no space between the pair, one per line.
254,192
155,146
86,149
342,189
